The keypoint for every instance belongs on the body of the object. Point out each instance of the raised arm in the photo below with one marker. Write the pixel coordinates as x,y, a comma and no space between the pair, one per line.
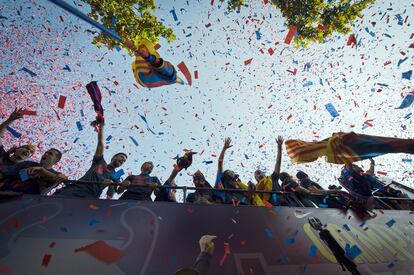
13,116
227,145
100,147
371,167
279,142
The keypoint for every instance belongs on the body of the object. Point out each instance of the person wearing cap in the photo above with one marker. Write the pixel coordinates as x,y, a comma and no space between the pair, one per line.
16,154
100,174
201,196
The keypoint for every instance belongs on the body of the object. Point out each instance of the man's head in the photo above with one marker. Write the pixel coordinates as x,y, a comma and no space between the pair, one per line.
302,175
118,159
259,175
230,177
147,167
23,152
284,176
198,179
51,157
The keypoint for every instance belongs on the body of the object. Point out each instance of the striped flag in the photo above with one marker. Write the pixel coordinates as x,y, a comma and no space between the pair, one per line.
344,148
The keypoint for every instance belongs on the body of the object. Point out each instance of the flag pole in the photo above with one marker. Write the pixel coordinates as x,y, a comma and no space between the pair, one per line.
86,18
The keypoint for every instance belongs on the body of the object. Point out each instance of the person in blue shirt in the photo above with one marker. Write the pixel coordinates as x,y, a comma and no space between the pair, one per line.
228,179
100,174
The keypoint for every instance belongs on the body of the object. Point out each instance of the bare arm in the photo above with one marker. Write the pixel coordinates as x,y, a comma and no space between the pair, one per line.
279,142
227,145
371,167
100,147
13,116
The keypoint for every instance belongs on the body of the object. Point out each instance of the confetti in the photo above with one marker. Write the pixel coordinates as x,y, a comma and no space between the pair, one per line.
102,252
62,101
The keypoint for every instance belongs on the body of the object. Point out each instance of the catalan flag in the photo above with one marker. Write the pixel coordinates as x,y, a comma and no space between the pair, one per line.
344,148
149,76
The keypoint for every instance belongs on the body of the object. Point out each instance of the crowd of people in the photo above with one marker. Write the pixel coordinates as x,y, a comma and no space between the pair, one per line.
19,174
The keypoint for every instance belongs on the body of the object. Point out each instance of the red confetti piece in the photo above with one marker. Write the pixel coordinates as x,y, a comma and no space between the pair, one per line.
46,260
290,34
270,51
102,252
62,101
183,68
289,117
195,74
248,61
28,113
52,244
93,206
382,173
157,46
351,40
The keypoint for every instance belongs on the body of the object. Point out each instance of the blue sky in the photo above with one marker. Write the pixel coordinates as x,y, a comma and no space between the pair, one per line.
252,104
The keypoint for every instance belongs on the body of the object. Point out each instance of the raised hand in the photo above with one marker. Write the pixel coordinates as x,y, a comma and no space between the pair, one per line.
227,144
280,141
206,243
16,114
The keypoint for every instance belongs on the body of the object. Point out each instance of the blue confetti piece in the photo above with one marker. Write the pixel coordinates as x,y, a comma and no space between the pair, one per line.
407,75
269,233
408,100
352,252
246,156
390,223
64,229
109,138
66,68
277,208
307,84
76,139
331,109
346,227
23,175
407,160
312,251
79,125
370,33
134,141
258,35
290,241
82,114
207,161
93,222
174,14
401,61
274,197
362,224
400,20
28,71
407,116
13,132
